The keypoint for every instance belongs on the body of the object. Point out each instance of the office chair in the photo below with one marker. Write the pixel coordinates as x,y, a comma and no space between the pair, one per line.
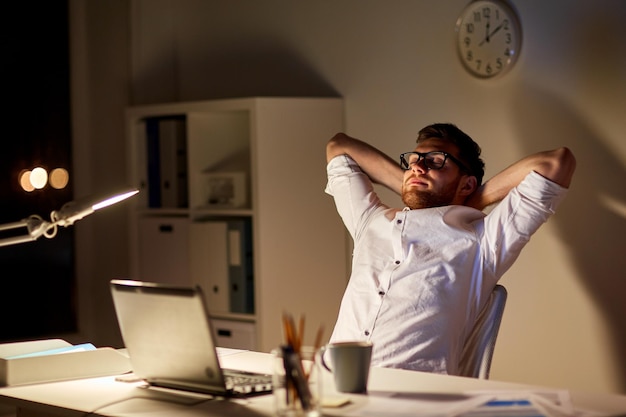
478,349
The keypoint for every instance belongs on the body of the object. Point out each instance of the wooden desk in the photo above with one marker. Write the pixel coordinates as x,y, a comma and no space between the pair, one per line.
108,397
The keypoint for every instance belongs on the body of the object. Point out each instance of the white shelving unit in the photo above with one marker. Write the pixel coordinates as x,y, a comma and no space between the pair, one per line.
276,148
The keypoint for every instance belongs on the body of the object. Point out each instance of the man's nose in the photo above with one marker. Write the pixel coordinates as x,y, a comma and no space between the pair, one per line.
419,165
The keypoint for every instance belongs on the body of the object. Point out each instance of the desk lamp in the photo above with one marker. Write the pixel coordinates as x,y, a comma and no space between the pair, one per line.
66,216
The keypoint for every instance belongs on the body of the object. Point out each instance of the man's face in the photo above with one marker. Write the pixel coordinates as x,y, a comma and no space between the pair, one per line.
425,188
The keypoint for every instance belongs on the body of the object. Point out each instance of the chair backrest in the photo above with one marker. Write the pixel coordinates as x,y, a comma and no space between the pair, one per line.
478,349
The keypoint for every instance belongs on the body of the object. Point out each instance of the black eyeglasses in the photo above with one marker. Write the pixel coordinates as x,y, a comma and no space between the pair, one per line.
432,160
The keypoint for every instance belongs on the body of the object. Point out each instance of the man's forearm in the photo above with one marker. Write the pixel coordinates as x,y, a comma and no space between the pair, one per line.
378,166
557,165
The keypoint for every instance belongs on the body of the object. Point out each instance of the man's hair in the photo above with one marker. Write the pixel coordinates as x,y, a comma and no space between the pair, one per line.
469,151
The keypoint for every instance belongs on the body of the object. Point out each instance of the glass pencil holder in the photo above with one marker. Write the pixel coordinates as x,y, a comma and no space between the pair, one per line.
297,387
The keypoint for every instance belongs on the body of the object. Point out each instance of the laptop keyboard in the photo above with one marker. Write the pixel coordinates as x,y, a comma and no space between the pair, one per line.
247,382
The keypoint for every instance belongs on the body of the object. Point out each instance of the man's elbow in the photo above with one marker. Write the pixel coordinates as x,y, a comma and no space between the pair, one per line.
339,139
562,166
336,145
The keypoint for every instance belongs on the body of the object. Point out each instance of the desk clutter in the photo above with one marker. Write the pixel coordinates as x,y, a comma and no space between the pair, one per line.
391,393
57,360
40,374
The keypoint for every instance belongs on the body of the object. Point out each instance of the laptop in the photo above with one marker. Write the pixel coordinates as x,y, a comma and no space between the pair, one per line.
169,337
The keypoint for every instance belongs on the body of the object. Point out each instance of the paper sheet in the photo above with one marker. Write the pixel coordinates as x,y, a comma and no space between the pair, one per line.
69,349
548,403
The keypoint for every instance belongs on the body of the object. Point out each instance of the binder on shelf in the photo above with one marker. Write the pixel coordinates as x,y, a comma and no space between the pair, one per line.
221,263
56,360
142,163
166,161
153,162
173,162
240,266
209,262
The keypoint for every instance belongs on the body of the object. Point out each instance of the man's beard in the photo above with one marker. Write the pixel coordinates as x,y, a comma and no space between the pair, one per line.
419,199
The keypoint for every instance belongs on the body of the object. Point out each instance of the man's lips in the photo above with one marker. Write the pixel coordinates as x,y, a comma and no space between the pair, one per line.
416,182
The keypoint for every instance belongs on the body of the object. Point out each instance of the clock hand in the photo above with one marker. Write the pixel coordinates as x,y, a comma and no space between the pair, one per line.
496,29
489,35
486,35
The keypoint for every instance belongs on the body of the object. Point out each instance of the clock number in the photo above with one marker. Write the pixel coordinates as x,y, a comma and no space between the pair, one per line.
508,38
486,12
505,24
507,51
469,56
467,41
478,64
476,16
499,63
469,28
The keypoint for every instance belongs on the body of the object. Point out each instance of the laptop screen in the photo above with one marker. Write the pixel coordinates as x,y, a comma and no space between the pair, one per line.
168,335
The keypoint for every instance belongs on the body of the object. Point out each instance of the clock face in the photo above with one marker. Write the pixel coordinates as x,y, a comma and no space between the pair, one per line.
489,38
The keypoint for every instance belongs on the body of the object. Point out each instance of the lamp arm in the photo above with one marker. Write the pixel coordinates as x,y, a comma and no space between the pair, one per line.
14,225
35,228
66,216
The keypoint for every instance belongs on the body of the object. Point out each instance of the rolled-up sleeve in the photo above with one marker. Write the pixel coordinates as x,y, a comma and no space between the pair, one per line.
510,225
352,191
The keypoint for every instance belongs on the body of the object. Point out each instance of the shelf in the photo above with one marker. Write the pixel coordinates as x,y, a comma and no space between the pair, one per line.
250,318
265,159
201,212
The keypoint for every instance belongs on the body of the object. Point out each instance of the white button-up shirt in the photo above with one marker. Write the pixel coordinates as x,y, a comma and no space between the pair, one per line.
420,277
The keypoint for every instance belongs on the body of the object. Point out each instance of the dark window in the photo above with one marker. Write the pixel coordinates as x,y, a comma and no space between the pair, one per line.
38,278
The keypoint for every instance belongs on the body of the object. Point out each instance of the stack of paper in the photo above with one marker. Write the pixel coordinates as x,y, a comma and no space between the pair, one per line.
55,360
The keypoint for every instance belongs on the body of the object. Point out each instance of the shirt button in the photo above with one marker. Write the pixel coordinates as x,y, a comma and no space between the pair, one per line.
399,221
381,292
397,262
367,333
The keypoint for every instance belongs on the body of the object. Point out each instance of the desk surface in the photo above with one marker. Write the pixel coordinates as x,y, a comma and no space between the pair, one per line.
107,397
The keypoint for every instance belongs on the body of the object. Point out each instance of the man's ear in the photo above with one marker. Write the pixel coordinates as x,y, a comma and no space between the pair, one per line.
467,185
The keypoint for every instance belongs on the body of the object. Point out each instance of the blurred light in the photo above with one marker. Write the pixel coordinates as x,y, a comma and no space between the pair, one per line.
59,178
613,204
39,178
25,181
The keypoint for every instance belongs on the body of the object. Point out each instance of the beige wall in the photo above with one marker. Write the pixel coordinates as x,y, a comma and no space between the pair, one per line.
99,52
395,64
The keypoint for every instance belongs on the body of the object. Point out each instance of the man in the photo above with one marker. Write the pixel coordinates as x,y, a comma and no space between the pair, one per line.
422,273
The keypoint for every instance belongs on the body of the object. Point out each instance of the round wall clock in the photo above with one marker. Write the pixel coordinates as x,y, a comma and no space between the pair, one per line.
488,37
